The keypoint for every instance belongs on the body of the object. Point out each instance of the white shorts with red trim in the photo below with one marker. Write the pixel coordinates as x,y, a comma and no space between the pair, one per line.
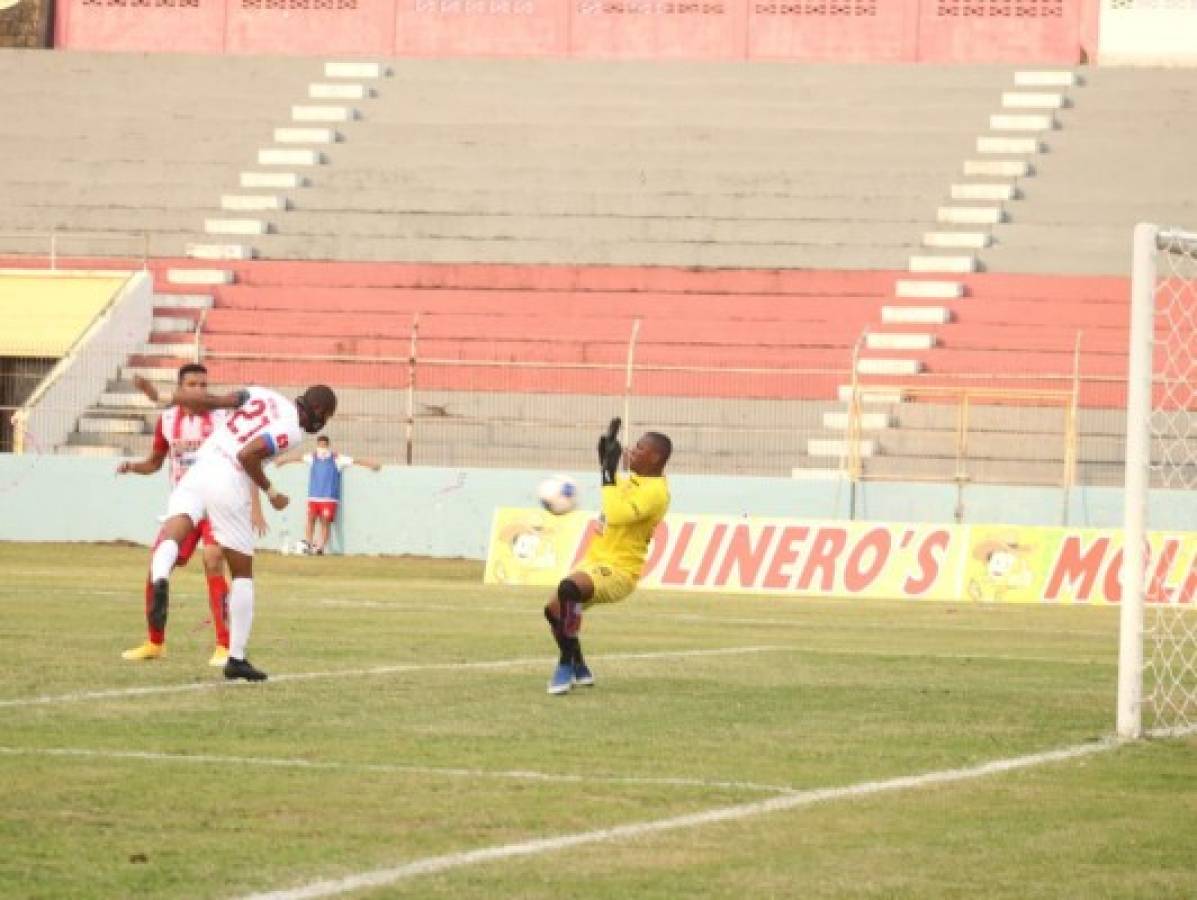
214,488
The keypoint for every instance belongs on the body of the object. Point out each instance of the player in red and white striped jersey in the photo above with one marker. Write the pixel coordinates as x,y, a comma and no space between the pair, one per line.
180,432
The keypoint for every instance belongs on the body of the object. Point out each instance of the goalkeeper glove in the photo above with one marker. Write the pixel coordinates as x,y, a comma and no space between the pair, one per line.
610,452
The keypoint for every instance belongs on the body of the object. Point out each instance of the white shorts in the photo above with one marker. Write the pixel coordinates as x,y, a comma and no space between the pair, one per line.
214,488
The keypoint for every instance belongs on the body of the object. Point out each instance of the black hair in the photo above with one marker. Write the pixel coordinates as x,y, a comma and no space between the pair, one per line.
663,444
321,395
191,369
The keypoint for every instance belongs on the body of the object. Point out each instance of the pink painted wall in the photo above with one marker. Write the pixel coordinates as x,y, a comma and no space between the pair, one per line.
188,26
942,31
481,28
844,31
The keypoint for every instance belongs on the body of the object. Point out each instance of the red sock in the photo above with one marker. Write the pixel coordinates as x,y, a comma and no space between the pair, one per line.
218,592
156,637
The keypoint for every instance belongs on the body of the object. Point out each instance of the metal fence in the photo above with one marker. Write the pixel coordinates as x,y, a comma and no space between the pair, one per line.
1062,428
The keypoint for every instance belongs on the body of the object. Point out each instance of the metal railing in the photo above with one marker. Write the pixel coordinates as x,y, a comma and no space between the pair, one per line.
54,243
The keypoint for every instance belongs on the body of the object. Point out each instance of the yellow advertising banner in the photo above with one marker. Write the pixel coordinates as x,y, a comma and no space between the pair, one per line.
981,563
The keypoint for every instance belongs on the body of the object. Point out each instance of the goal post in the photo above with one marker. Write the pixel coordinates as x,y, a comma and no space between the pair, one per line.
1157,657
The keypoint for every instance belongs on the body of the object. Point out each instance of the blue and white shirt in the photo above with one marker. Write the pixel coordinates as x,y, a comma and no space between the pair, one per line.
324,480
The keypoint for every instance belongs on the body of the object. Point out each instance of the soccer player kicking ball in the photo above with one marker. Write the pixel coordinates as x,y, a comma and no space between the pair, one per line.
633,505
219,485
180,432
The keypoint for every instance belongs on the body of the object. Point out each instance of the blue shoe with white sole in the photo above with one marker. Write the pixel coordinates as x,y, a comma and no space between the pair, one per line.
582,675
562,680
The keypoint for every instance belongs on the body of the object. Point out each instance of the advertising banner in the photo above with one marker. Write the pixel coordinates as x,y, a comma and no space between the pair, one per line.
866,560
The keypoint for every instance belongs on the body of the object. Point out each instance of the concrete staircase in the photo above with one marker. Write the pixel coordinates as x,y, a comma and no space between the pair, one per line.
124,418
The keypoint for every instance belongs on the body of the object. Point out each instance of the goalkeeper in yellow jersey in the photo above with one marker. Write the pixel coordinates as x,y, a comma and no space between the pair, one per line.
633,504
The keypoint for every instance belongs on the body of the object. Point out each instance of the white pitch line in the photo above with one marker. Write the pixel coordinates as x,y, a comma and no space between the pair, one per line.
273,762
120,693
430,864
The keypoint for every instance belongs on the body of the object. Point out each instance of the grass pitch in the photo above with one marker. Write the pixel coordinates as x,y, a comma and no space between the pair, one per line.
407,719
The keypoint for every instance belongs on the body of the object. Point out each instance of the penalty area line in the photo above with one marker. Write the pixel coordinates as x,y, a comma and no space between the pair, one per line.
399,669
433,864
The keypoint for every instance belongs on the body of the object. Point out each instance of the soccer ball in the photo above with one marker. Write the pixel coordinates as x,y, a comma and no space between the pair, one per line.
558,494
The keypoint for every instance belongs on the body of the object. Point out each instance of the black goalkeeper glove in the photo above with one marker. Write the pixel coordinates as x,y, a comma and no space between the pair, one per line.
610,452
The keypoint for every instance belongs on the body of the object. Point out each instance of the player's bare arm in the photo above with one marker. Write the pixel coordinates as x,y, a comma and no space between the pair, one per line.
252,456
147,466
256,518
206,402
147,387
370,464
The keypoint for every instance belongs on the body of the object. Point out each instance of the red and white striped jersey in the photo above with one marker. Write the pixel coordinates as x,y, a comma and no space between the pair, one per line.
179,434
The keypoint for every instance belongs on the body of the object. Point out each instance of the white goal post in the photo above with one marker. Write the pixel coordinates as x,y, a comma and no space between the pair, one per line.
1157,658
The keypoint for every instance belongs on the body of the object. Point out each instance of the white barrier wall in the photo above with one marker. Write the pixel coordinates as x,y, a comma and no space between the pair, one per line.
1148,32
77,381
449,512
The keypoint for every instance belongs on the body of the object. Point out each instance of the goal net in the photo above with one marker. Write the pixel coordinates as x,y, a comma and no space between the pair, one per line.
1157,682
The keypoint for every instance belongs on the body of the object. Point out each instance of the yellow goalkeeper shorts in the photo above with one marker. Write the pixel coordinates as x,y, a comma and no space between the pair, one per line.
610,585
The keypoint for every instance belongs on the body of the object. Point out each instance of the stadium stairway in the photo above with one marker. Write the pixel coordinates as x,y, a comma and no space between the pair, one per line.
591,162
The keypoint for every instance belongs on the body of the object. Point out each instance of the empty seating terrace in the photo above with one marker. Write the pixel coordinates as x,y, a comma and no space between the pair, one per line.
754,218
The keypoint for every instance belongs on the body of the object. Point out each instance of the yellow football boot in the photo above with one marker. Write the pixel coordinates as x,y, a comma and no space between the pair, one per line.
220,656
148,650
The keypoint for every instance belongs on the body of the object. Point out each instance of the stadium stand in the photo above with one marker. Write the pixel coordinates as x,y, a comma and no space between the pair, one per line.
802,194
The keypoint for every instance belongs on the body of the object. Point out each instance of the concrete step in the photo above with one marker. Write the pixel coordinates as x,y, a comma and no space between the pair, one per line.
998,168
969,215
306,136
183,301
111,424
252,202
957,240
324,91
871,394
928,290
272,180
290,156
889,340
176,349
1009,145
947,264
915,315
1033,100
126,400
1045,78
226,252
324,113
172,325
983,191
816,474
887,366
200,276
869,421
236,226
838,448
1030,122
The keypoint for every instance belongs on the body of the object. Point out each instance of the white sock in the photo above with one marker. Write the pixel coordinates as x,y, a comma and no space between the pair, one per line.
241,615
163,560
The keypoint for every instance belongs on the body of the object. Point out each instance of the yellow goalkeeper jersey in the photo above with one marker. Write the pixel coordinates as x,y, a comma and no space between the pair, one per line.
632,507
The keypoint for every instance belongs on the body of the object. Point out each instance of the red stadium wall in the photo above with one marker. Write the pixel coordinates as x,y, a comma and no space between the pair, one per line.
939,31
